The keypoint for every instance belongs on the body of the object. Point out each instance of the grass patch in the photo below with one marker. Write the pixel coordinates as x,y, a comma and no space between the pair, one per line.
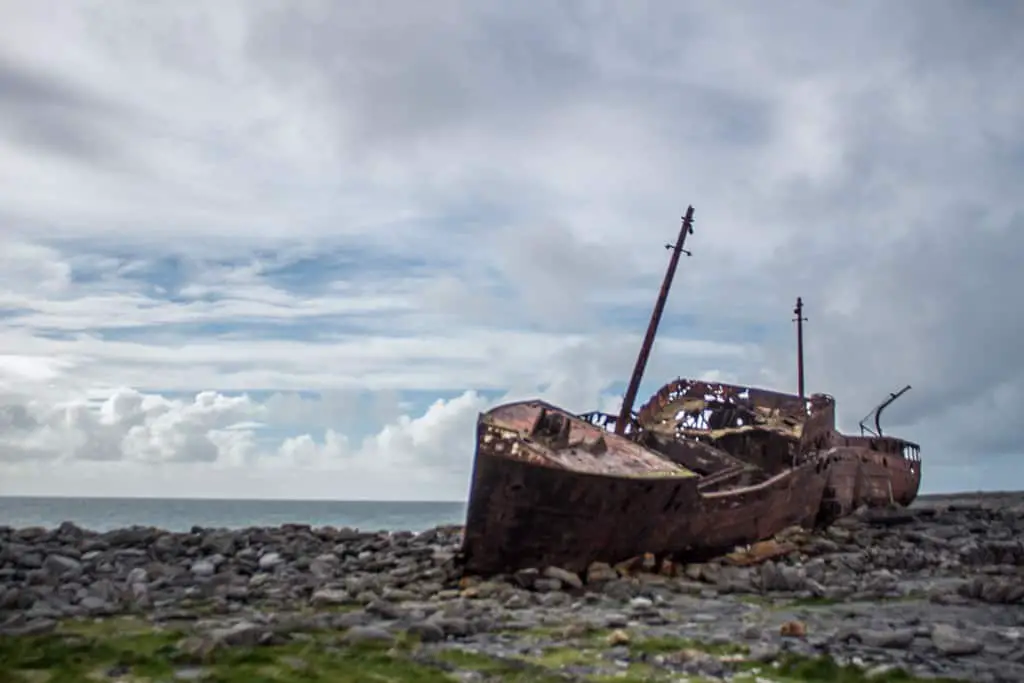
506,670
343,608
637,672
129,649
70,657
830,602
313,663
825,669
561,657
538,632
768,602
110,627
550,664
670,645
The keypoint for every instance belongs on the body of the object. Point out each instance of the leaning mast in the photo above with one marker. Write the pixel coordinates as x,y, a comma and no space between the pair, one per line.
652,328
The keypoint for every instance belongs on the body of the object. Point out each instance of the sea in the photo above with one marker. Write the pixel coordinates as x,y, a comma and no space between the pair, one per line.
104,514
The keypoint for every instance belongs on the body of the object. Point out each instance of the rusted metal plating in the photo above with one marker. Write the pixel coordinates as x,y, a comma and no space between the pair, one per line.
543,493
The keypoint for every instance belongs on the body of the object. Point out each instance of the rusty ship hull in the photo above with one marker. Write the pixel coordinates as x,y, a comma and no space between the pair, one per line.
552,489
772,430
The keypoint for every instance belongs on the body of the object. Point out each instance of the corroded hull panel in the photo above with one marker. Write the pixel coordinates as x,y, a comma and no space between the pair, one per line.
528,514
862,477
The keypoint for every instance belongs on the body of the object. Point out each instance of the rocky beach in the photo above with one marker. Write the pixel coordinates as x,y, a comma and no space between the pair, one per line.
933,592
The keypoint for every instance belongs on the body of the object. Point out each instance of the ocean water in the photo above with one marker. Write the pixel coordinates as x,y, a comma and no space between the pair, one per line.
103,514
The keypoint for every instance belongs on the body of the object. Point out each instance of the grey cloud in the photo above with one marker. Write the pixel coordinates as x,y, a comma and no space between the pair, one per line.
15,453
927,108
420,70
941,308
195,448
958,34
103,444
46,111
555,274
904,244
16,417
339,409
23,87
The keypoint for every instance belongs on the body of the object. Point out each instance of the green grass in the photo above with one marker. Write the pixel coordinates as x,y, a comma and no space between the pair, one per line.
133,650
506,670
71,658
806,669
671,645
74,658
362,664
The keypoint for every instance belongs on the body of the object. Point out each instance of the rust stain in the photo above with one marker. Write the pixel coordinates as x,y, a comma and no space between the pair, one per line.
759,552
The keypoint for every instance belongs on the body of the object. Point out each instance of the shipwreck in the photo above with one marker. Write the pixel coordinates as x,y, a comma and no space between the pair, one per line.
699,469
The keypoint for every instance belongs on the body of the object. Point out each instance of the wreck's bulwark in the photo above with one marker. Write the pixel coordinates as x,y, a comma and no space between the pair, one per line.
552,489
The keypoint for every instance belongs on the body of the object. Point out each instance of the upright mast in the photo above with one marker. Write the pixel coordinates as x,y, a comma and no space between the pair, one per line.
652,328
799,319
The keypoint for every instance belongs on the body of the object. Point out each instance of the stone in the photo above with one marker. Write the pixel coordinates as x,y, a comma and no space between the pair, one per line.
60,565
793,629
367,634
270,561
618,637
600,573
94,605
203,568
32,627
779,577
330,597
899,639
565,577
952,643
427,632
137,575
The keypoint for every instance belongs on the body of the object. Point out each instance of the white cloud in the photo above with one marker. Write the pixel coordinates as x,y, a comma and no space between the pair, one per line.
206,203
172,445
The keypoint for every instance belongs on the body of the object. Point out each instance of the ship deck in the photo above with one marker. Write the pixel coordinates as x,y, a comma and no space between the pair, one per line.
585,448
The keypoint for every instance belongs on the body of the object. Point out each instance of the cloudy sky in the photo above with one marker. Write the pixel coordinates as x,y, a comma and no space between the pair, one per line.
291,249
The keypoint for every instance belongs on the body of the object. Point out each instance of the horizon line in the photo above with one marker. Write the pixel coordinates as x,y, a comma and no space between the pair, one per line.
58,496
212,498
